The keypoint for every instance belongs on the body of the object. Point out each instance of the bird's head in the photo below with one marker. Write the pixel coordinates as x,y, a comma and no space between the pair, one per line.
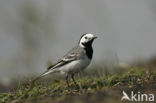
86,39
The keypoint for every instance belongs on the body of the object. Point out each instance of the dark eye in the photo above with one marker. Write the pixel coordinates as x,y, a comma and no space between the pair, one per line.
85,37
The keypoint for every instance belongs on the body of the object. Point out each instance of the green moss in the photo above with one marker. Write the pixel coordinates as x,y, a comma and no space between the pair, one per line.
88,85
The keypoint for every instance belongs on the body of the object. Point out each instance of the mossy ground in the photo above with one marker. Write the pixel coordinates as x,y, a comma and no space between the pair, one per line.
93,89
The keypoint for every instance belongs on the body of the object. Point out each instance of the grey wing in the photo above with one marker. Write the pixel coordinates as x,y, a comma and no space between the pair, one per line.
69,57
65,60
60,63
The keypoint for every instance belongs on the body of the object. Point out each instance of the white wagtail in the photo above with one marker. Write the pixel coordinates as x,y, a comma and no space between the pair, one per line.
75,60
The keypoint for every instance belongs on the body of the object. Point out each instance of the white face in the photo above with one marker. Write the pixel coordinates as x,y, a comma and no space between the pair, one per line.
87,38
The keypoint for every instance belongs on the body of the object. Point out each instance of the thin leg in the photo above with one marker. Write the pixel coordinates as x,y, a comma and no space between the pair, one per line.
67,81
74,81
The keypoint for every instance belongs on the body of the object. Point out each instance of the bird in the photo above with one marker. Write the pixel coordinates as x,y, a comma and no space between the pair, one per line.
76,60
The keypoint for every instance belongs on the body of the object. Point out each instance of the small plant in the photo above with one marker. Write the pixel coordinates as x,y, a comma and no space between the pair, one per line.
132,78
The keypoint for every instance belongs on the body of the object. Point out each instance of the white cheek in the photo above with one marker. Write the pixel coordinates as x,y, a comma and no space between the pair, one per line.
82,40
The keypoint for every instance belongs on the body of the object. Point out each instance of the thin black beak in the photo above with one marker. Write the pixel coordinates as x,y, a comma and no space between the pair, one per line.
95,37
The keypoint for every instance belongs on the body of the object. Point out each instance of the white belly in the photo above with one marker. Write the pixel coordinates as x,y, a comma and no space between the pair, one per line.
75,66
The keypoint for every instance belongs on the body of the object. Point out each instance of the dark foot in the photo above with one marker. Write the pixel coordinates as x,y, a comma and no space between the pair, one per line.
77,86
67,81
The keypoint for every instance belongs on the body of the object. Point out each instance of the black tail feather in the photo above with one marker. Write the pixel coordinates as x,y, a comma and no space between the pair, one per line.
37,78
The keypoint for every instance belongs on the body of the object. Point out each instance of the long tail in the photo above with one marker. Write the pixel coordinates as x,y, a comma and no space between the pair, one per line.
42,75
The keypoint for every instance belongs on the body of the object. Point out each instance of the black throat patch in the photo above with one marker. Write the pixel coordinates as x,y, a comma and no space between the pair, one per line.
88,48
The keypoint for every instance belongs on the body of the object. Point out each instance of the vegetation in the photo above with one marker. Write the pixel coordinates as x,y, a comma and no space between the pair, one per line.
93,88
